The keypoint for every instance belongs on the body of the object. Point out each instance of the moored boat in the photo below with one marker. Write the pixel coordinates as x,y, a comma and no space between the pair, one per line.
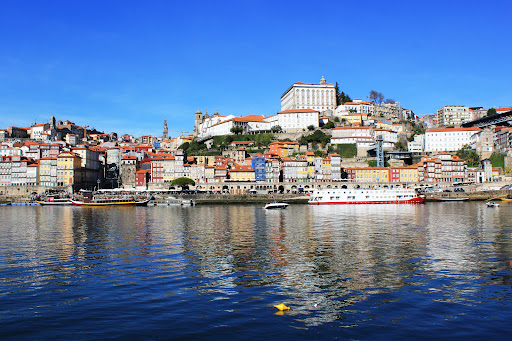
276,206
366,196
506,198
101,201
54,201
111,202
492,204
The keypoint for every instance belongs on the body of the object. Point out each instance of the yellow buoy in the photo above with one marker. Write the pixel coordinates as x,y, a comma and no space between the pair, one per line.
281,307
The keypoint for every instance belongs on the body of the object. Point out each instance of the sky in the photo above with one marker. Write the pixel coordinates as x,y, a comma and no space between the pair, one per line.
125,66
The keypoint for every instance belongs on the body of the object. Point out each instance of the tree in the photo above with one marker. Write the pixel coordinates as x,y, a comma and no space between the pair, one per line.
329,125
380,97
183,182
343,98
400,146
336,119
311,127
237,130
276,129
229,139
376,97
491,112
389,101
373,95
184,146
469,155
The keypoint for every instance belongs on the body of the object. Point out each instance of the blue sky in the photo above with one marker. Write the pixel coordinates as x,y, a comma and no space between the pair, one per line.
124,66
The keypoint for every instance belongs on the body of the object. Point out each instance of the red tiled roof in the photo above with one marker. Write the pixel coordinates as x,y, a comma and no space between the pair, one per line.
242,169
503,109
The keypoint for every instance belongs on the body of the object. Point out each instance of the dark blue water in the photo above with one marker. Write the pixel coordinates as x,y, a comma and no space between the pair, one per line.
369,272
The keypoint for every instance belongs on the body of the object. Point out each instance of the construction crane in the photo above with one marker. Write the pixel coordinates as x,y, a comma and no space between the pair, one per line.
180,131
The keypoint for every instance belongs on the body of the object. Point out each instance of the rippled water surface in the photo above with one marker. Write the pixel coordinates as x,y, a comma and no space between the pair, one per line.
433,271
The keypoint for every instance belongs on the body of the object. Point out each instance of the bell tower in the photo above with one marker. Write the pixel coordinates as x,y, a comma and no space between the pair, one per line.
165,134
198,120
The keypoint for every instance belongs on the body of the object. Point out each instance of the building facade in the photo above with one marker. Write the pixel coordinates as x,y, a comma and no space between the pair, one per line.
453,115
320,97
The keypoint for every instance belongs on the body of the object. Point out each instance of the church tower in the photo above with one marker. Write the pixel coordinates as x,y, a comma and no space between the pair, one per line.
166,131
197,122
52,122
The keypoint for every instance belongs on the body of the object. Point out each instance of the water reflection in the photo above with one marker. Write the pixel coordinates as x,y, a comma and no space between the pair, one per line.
329,263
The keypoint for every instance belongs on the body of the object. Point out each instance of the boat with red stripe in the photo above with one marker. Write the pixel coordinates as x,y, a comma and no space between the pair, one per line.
340,196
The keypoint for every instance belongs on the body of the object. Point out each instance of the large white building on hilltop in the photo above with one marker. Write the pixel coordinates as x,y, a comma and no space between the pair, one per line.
453,115
295,120
320,97
448,139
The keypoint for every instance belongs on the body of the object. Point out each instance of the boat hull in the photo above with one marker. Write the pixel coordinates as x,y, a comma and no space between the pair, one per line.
452,199
409,201
54,203
108,204
276,206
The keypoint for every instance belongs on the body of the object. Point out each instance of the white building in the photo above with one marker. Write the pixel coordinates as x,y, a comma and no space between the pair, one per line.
295,120
448,139
453,115
353,132
37,131
204,123
217,124
388,135
417,145
320,97
357,106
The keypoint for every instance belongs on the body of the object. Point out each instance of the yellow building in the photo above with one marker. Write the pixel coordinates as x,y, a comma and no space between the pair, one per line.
355,119
242,173
68,166
326,168
206,160
408,174
371,174
284,149
168,164
209,173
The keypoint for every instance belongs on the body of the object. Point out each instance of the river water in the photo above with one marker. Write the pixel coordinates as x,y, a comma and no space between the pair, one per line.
364,272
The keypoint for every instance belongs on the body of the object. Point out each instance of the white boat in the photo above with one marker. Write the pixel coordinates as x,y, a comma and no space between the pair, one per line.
110,201
366,196
54,201
276,206
492,204
188,202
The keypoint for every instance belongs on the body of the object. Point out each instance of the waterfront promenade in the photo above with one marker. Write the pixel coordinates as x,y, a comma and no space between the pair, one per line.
267,191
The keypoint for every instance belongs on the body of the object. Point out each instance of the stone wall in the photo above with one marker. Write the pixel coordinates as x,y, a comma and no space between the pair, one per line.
24,192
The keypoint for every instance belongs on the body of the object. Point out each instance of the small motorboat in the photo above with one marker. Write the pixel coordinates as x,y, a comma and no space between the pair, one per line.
492,204
276,206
